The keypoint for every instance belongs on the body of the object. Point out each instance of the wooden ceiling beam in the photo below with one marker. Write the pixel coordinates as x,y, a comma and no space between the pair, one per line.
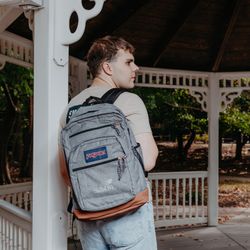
186,10
222,43
124,11
122,15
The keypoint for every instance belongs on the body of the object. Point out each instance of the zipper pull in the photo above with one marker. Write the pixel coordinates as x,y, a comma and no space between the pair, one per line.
116,126
121,166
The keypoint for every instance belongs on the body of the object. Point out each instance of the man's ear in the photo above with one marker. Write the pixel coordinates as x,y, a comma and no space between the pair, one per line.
107,68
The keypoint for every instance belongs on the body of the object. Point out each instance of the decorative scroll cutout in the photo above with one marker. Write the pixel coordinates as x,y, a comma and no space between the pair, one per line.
227,97
64,36
201,97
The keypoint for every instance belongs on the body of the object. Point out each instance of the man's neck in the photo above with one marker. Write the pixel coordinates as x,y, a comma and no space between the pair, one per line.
100,81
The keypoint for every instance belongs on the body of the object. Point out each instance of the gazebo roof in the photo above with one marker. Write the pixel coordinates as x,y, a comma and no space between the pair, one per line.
202,35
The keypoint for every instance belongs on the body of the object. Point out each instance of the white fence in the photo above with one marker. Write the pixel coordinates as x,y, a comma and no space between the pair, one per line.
15,216
179,198
19,194
15,227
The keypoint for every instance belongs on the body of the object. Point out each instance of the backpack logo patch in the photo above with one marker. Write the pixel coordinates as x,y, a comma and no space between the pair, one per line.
95,154
71,111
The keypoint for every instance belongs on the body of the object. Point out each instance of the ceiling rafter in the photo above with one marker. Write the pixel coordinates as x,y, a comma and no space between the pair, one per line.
113,22
162,44
222,43
8,16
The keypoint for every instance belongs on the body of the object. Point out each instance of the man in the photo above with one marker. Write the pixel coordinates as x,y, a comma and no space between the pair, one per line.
111,63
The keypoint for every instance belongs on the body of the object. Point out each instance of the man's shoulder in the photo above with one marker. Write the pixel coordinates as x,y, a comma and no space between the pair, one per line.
128,96
79,99
130,100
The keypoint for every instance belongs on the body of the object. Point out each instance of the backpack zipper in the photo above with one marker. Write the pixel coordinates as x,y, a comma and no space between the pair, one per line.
115,126
120,168
96,164
91,129
104,114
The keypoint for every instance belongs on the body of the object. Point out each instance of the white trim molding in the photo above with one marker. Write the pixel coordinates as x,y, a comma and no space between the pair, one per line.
26,4
230,84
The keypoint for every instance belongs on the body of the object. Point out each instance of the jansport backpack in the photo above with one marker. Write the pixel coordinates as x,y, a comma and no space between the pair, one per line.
104,161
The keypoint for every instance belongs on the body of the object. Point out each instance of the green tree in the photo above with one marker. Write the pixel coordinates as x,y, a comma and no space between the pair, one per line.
176,113
235,122
16,116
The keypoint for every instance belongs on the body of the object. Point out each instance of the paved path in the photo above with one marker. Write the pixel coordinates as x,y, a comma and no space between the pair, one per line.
234,234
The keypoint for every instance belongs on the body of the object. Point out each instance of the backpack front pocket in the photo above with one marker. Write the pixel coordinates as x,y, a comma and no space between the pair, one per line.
103,173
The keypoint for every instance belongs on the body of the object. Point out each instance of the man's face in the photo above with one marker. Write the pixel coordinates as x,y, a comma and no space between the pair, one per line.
123,69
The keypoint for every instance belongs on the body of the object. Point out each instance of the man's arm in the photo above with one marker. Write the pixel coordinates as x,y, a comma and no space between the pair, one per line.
63,166
149,149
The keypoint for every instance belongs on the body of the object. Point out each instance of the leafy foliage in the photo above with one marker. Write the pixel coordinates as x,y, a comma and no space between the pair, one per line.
16,86
16,90
236,118
174,109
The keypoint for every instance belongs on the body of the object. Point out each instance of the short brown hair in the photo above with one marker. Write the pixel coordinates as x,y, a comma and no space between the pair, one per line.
105,49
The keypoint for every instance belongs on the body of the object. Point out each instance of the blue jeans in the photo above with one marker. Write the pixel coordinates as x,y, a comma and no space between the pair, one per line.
134,231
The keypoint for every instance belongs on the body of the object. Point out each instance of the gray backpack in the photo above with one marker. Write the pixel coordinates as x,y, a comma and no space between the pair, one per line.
104,161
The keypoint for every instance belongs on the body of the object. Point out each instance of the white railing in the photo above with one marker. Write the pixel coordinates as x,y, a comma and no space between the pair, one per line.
19,194
166,78
15,227
179,198
16,49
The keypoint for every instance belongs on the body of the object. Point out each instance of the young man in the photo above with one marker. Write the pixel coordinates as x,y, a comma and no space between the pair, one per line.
111,63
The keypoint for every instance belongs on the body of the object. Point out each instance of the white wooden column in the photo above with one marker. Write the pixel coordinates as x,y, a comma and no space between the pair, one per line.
213,148
49,230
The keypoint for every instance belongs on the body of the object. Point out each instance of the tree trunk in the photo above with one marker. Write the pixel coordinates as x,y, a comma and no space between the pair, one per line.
181,154
27,169
8,123
220,148
189,143
240,142
6,132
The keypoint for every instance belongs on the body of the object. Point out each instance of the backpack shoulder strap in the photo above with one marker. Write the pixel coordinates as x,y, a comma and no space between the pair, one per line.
111,95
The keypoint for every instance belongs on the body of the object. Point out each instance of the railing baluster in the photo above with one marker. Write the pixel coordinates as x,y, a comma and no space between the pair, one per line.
15,238
196,197
184,197
4,234
202,197
177,198
25,240
190,197
19,238
157,199
11,235
164,198
170,199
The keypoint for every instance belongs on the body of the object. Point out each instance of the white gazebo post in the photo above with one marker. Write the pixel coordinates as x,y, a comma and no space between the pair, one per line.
213,150
52,36
49,222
